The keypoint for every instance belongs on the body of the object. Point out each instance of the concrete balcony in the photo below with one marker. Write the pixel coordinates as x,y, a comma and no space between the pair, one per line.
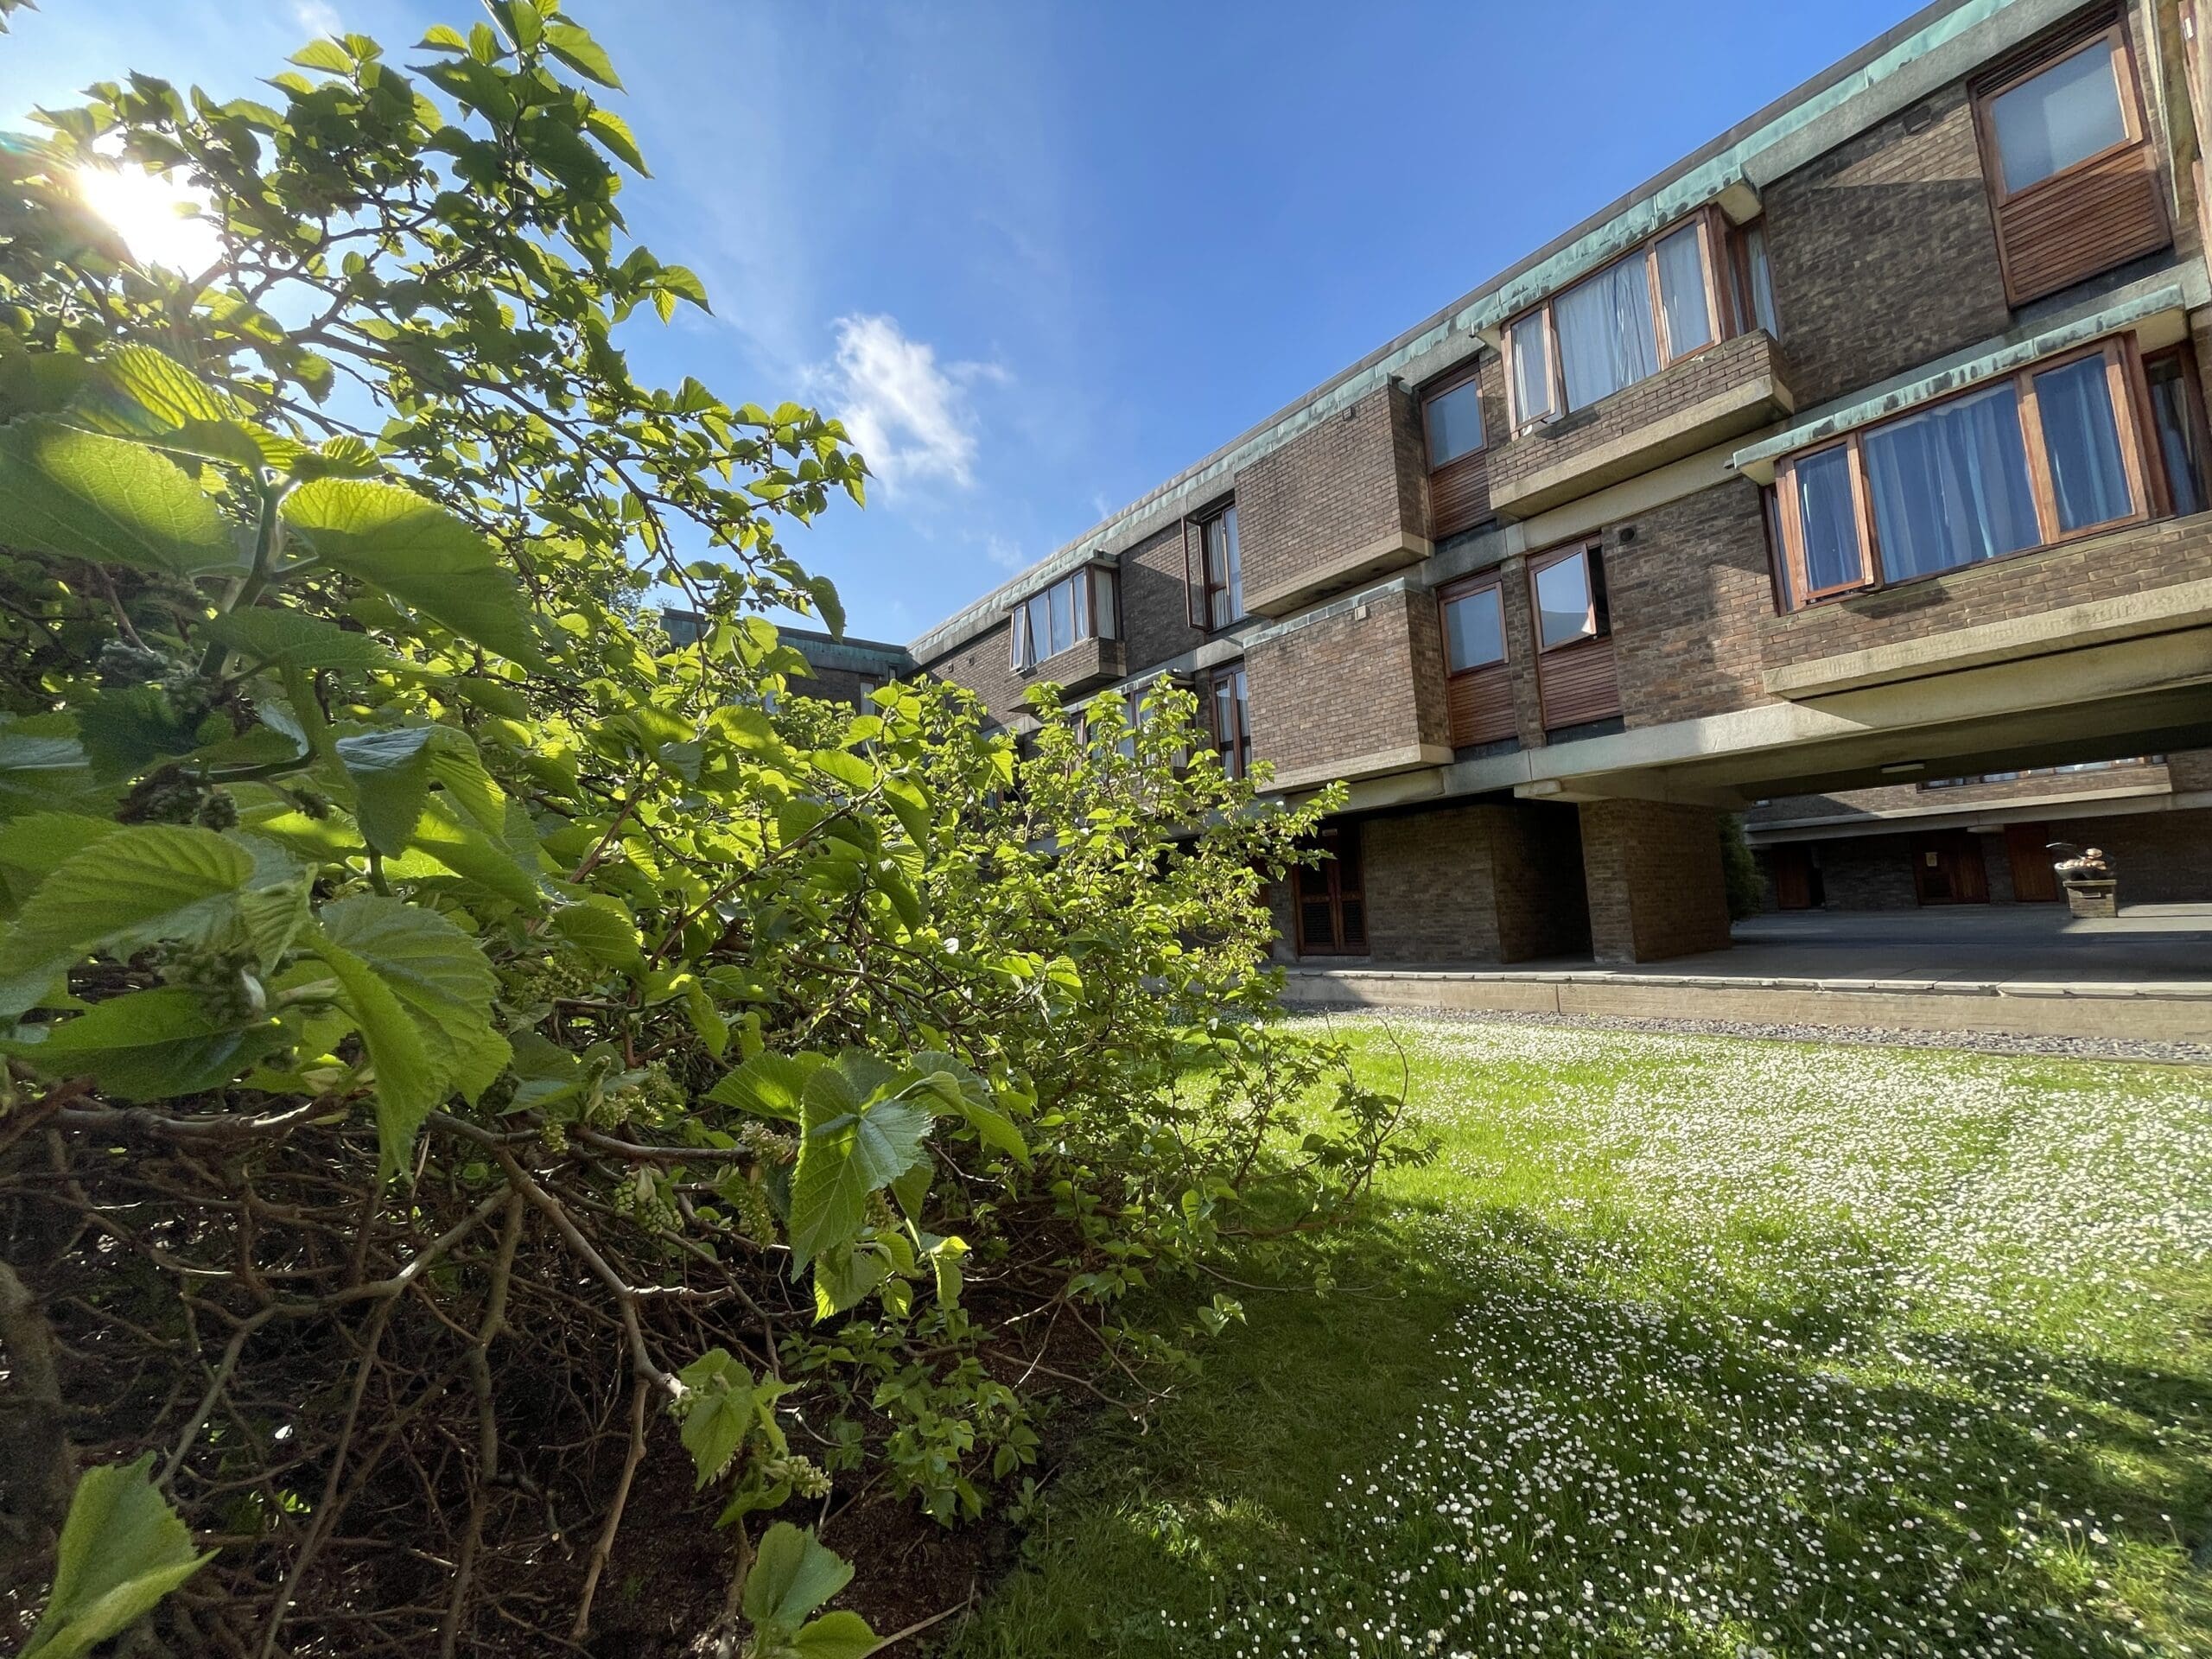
1722,392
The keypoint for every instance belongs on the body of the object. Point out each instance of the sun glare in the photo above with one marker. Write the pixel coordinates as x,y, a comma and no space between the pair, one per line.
153,215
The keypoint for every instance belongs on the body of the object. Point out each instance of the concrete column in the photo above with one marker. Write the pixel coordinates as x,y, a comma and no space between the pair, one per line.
1652,870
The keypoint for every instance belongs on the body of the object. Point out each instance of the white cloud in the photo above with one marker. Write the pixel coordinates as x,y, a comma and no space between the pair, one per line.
318,17
909,415
1005,554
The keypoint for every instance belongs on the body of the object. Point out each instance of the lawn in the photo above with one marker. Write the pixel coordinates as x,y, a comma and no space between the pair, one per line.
1696,1346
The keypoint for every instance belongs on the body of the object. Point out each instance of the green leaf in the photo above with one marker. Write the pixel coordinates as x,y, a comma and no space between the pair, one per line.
603,929
408,1085
615,135
717,1413
391,781
841,1635
35,845
79,495
437,973
852,1145
768,1086
969,1098
123,1549
150,1045
576,48
324,54
443,834
144,882
42,766
944,1257
287,639
844,1275
416,550
792,1574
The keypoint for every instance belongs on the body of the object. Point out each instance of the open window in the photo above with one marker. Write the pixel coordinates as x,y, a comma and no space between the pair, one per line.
1576,679
1228,714
1213,569
1080,606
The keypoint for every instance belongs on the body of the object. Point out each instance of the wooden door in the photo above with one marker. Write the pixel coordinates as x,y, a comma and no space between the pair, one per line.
2034,882
1947,869
1332,905
1793,876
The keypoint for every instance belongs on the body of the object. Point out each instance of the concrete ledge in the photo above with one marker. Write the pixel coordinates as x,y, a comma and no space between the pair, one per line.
1319,578
2152,1011
1752,402
1401,758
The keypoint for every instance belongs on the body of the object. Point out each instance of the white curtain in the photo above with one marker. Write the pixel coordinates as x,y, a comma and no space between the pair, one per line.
1950,486
1605,335
2079,436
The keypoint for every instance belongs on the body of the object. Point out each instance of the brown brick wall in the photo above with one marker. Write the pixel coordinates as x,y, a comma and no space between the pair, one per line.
836,685
982,666
1155,601
2189,770
1688,597
2162,858
1350,480
1347,685
1636,409
1484,883
2131,561
1652,871
1883,251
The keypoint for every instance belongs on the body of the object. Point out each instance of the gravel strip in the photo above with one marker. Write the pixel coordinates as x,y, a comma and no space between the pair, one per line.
1979,1042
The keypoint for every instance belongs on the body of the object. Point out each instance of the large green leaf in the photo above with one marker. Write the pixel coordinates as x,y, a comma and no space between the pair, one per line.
42,766
35,845
144,882
447,837
123,1549
717,1411
81,495
962,1093
792,1574
603,929
287,639
407,1083
390,775
575,47
150,1045
768,1086
852,1144
841,1635
439,975
416,550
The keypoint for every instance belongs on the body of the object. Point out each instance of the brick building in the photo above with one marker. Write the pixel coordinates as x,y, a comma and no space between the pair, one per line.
1856,465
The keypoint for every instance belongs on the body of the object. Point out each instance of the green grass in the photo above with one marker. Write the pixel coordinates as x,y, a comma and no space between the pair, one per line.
1692,1346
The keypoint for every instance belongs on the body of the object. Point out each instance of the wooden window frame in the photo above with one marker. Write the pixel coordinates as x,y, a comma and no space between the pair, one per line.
2114,36
1591,553
1449,595
1719,319
1198,587
1238,745
2193,412
1467,374
2124,380
1743,282
1330,872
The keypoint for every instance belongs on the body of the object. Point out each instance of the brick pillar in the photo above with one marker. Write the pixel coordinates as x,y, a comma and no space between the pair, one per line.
1653,872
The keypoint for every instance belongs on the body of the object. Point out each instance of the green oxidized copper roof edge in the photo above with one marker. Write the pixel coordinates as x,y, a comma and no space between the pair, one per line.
1702,176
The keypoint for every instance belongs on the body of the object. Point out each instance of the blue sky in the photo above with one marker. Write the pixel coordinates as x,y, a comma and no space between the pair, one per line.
1041,256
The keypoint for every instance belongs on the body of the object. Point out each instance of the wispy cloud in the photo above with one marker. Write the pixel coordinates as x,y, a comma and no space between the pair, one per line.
908,414
1005,553
318,17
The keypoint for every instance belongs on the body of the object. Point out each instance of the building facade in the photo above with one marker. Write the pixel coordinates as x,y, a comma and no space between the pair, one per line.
1860,452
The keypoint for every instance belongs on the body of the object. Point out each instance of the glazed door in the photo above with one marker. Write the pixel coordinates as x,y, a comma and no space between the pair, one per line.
1947,869
2034,882
1330,904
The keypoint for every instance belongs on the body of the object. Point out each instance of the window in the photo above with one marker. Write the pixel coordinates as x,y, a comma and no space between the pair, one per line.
2060,116
1570,599
2177,411
1754,281
1474,630
2040,771
1328,901
1213,571
2045,454
1077,606
1622,325
1454,420
1228,714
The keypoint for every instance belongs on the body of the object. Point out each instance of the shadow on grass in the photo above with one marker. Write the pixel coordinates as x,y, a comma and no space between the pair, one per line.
1528,1441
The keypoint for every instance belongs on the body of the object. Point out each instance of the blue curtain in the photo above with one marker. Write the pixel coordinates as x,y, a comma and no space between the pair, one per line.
1950,486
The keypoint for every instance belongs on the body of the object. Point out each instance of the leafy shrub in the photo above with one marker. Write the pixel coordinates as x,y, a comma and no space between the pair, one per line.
458,1043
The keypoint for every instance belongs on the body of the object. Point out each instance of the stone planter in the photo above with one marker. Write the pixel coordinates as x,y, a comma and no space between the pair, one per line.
2093,897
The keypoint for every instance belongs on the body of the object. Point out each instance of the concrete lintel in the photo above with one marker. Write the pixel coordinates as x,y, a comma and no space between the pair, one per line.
2104,315
1317,579
1404,758
2124,616
1751,404
1631,786
2104,803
